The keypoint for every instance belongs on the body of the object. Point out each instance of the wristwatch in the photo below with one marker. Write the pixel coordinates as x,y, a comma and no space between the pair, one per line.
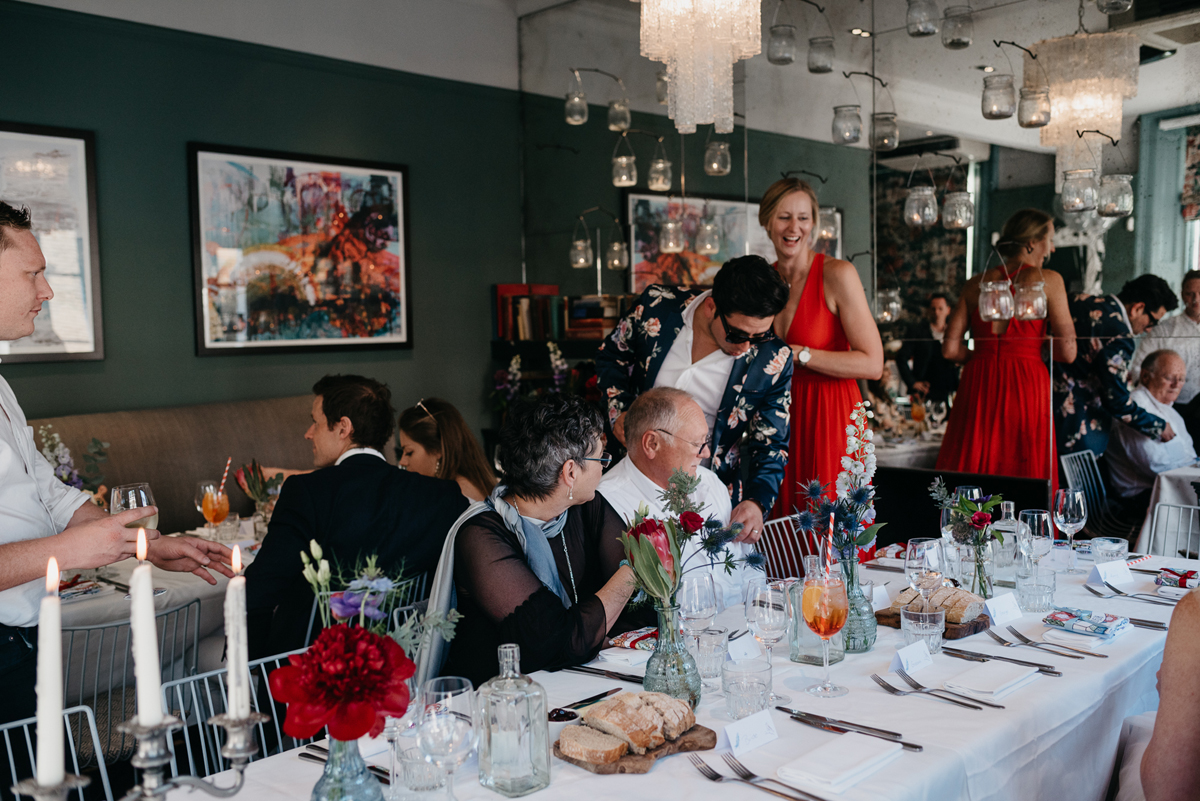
804,356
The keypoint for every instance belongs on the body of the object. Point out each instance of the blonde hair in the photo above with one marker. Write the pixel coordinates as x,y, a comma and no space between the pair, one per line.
1021,230
775,194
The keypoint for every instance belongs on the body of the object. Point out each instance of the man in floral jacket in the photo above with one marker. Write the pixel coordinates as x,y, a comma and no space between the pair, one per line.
719,346
1092,391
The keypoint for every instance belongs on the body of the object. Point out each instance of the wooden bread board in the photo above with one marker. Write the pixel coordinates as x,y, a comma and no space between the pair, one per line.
697,738
954,631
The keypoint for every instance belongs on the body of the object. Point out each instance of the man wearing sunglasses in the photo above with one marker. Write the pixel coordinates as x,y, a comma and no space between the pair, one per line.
719,346
1092,391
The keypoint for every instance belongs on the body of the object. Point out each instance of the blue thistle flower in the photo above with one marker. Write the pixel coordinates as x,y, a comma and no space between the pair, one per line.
813,490
756,559
861,496
805,521
824,509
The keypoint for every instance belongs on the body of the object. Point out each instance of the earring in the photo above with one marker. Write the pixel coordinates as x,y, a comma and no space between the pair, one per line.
437,470
570,493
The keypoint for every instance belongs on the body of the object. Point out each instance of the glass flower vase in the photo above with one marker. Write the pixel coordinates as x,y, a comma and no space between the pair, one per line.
346,777
671,669
861,629
977,569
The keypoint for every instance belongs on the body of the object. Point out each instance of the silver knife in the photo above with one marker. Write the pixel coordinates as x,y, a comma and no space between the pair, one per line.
858,727
1147,624
1046,669
841,730
888,568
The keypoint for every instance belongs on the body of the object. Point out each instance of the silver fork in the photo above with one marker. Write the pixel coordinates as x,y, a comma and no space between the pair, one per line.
1028,641
921,688
745,773
1008,644
713,776
898,691
1139,595
1099,594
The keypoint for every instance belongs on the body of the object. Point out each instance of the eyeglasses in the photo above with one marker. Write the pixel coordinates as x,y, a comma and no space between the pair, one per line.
736,336
604,459
699,446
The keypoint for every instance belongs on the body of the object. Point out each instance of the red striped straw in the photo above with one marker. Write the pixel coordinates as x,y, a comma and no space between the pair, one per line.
829,548
225,475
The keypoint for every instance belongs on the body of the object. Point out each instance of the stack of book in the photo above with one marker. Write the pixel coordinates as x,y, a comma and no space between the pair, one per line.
536,312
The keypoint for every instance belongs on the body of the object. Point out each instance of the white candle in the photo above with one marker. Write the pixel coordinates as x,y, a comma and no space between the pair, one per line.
236,648
49,684
146,667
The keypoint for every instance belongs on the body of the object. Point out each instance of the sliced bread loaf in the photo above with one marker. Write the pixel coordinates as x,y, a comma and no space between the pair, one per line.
591,745
625,717
677,715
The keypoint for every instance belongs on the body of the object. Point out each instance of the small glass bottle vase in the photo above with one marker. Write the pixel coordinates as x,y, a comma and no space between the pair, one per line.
977,569
861,629
346,777
514,737
671,669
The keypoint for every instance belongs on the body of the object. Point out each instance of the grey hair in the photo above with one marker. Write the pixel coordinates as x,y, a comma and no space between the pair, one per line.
542,435
1150,364
655,408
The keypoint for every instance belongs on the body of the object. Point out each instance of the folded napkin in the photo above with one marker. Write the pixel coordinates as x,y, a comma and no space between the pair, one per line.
1078,640
1184,579
626,656
641,639
840,763
889,561
1084,621
893,551
1174,593
991,680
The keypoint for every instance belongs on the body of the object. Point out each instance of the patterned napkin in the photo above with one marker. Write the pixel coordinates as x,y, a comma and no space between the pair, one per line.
1174,593
1084,621
1184,579
641,639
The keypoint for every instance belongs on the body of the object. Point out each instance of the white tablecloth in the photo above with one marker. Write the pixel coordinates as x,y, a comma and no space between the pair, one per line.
1173,486
909,453
1057,739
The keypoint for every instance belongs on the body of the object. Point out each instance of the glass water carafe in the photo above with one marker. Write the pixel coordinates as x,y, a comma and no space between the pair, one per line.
514,736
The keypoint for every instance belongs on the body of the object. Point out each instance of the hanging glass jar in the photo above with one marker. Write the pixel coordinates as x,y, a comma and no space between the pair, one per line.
885,133
619,118
717,160
847,125
670,238
659,177
1115,198
624,171
1114,6
958,211
922,18
999,97
781,45
828,224
1079,190
1034,109
995,300
577,107
820,54
1030,300
958,27
581,254
616,256
887,305
708,239
920,207
661,85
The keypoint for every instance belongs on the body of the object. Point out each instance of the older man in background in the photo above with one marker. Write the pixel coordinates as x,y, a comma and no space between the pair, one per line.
1182,335
665,431
1134,459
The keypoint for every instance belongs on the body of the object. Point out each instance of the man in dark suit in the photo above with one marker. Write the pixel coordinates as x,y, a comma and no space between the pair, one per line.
354,505
931,376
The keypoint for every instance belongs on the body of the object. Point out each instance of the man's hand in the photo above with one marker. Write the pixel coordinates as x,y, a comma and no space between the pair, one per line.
920,388
1168,433
100,541
191,555
619,429
750,515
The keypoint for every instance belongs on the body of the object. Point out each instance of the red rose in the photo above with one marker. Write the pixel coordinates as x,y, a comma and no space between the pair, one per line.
691,522
350,679
980,519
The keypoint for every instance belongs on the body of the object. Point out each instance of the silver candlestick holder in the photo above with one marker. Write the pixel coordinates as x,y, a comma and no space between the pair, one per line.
54,792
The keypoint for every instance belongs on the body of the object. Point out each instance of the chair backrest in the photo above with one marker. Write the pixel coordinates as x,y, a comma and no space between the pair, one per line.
197,698
20,752
98,670
402,614
785,547
408,593
1083,473
1175,531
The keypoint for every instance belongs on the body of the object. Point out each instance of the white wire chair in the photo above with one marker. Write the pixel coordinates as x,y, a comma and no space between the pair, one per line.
197,698
1171,525
408,593
785,546
79,722
1083,473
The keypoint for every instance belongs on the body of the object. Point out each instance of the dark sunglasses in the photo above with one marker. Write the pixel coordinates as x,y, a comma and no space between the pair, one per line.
736,336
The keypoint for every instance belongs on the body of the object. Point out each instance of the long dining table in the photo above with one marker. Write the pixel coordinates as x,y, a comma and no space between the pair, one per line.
1056,738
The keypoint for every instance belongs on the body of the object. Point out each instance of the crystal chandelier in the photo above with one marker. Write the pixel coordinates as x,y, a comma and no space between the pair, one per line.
699,41
1090,75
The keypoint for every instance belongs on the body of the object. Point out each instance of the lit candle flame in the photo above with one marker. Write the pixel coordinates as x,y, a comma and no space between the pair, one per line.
237,559
141,545
52,575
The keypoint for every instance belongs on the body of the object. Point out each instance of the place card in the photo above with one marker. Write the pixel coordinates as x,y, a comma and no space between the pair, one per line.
748,733
1059,559
880,599
1114,572
744,647
1003,609
911,658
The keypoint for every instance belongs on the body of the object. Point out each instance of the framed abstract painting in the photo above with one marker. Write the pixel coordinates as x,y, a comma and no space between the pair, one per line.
298,253
52,172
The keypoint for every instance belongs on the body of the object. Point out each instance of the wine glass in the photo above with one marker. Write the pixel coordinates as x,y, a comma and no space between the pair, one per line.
768,619
213,503
937,413
1070,515
825,609
697,603
446,733
133,496
1037,538
924,566
971,493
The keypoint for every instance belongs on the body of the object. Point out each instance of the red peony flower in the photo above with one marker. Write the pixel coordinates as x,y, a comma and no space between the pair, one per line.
654,531
691,522
980,519
350,680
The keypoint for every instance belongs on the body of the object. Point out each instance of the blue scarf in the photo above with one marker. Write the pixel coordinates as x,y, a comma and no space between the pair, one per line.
535,541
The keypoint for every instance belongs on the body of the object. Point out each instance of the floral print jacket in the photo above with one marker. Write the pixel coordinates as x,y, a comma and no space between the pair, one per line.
755,412
1092,391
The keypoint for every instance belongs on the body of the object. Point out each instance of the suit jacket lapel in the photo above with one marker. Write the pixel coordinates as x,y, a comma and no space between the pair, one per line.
733,390
670,317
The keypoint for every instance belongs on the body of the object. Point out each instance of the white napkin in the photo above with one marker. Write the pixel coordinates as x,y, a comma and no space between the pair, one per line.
889,561
840,763
1079,640
992,680
1174,593
626,656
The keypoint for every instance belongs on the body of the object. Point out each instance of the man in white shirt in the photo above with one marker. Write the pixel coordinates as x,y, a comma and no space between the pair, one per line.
1181,334
665,431
1135,460
40,516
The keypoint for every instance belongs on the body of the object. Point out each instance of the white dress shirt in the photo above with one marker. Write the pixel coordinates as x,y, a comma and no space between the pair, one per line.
33,504
1182,335
706,379
1134,460
356,452
625,488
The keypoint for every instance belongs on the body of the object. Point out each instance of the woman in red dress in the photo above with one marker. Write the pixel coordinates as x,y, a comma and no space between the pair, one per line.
1001,422
834,340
